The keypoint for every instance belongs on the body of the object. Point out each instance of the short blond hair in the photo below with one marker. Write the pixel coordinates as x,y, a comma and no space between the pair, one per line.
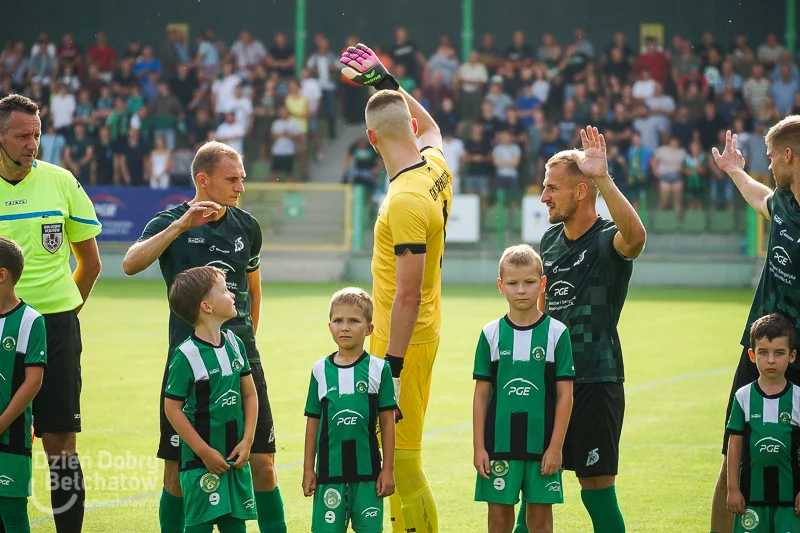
519,255
209,156
387,114
352,296
785,134
564,159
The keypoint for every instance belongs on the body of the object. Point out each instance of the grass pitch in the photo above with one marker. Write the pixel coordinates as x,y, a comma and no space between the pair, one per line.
680,350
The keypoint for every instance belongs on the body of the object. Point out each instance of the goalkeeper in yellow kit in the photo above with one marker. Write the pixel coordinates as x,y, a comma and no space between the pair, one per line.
406,269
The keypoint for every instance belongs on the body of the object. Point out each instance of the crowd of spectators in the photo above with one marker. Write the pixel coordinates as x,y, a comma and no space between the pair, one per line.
135,116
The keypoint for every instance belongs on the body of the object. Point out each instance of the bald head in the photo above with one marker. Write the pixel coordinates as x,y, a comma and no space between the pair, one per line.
388,117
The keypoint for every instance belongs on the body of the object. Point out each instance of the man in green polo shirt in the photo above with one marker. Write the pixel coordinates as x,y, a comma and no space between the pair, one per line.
47,212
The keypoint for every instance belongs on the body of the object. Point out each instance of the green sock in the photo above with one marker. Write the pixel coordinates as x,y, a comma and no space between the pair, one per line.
170,513
270,511
604,510
522,524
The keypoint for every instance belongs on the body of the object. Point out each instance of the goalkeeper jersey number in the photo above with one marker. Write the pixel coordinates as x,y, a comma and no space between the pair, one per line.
347,400
232,244
770,425
523,365
208,380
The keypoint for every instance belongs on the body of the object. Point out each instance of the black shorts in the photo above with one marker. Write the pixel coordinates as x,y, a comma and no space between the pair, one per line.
282,163
263,442
591,447
57,406
746,372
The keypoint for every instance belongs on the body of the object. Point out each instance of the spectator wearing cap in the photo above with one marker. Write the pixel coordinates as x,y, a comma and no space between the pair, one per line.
654,60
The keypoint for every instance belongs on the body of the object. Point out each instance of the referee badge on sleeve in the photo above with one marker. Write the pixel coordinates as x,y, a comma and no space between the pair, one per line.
52,237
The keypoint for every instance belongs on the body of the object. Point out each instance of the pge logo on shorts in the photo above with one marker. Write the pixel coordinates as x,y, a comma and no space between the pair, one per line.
370,512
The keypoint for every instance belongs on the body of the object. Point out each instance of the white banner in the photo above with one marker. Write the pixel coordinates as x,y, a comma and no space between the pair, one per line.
534,217
464,222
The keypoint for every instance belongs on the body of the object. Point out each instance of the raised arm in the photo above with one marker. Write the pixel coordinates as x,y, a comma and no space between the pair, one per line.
428,133
731,162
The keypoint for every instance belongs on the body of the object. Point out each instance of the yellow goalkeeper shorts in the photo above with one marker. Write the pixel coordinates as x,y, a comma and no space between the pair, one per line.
415,388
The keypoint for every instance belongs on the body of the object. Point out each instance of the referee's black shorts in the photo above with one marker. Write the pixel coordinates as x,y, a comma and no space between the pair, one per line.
591,446
747,373
57,406
263,441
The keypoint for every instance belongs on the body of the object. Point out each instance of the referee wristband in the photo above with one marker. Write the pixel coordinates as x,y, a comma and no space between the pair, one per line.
395,364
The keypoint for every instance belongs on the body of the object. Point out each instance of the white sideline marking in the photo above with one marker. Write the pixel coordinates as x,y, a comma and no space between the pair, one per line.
430,433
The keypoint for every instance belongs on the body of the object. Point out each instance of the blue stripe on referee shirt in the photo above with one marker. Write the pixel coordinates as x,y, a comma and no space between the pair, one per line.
84,220
34,214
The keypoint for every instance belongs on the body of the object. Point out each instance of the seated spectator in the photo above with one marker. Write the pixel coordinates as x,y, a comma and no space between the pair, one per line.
568,125
649,127
783,90
638,159
223,89
769,114
42,66
549,51
123,79
511,82
488,54
447,118
102,55
518,52
694,101
728,77
696,78
436,91
709,126
526,103
582,44
721,186
685,62
770,51
668,167
285,133
694,169
785,60
146,64
159,164
499,100
645,86
683,128
445,63
541,82
118,121
506,157
712,72
69,53
246,52
130,160
150,89
654,60
102,171
454,152
729,106
472,76
62,110
51,145
84,112
616,67
619,129
281,57
662,105
68,77
619,41
756,90
362,166
583,106
479,169
232,133
105,105
79,154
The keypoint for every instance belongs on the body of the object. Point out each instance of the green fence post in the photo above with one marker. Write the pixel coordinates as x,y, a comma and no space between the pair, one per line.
501,221
300,37
752,232
466,29
791,25
358,218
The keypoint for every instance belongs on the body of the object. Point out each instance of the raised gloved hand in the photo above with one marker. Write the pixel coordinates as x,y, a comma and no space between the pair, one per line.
364,68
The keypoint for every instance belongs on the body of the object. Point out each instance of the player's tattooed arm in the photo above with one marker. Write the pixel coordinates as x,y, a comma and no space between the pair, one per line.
309,456
480,403
213,460
735,502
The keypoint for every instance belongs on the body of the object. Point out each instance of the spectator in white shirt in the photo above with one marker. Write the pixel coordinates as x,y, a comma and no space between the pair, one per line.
223,89
247,51
324,66
453,150
242,107
62,109
472,77
770,51
232,133
285,133
645,86
44,44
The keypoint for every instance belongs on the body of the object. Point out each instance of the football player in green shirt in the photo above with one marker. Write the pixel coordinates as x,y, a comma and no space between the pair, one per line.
764,427
523,397
23,356
350,393
211,401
